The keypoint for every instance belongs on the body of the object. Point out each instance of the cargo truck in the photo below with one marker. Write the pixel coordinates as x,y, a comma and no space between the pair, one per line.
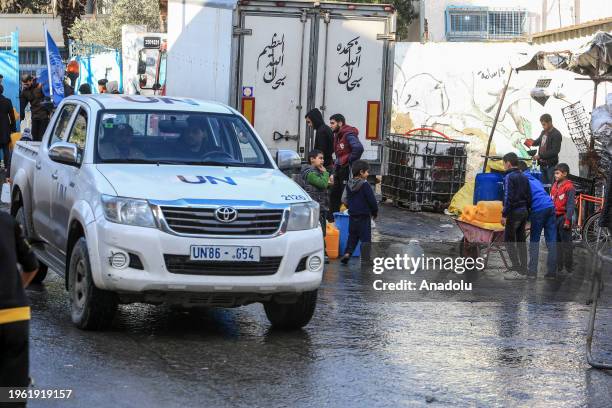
275,60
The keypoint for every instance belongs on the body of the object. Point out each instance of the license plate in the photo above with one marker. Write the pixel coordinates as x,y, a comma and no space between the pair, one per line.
224,253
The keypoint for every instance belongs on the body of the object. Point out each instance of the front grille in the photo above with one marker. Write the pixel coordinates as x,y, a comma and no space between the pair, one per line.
202,221
183,265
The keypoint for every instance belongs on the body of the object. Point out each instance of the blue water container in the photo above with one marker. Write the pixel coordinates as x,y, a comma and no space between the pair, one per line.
342,223
489,187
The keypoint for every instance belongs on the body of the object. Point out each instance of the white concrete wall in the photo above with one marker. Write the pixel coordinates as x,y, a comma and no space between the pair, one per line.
456,88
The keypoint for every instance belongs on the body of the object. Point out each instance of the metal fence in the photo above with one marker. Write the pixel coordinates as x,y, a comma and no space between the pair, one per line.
484,23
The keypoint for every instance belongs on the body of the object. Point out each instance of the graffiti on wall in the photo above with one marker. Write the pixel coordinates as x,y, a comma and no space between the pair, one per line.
463,101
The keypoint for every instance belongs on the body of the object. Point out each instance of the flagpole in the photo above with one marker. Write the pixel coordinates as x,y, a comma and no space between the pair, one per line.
48,60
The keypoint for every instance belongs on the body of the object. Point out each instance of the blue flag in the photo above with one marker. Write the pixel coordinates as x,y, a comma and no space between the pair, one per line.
55,71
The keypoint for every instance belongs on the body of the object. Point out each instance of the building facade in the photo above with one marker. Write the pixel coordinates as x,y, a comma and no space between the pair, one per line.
502,20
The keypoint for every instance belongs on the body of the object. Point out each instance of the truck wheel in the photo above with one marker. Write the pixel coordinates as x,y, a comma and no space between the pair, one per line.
292,315
91,308
42,268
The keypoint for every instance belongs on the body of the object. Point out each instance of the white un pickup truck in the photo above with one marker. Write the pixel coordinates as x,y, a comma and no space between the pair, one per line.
166,200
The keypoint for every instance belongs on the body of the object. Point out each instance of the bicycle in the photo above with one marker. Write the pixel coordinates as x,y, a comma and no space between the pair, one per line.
587,229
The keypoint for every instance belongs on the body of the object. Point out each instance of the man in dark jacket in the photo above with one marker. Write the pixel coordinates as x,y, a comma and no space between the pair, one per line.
7,126
32,93
517,203
550,145
324,137
348,149
14,309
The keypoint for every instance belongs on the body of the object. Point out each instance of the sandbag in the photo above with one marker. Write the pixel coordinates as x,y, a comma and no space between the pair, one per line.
489,211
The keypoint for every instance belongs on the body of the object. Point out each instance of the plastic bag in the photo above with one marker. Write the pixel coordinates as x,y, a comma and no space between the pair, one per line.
463,197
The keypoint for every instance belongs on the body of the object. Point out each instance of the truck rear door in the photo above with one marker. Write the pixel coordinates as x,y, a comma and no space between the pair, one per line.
351,74
273,75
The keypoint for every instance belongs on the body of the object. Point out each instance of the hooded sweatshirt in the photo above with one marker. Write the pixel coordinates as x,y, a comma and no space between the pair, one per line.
359,197
540,200
324,137
347,146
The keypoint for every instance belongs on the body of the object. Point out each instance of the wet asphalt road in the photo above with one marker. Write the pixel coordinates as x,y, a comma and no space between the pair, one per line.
358,350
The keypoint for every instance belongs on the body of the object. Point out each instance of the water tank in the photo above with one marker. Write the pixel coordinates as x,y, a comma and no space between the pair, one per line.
489,187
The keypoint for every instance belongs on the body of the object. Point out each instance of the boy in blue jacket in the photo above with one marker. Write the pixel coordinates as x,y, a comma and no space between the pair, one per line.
542,218
517,203
362,208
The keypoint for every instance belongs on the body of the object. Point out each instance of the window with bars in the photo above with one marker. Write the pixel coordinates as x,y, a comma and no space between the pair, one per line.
482,23
31,60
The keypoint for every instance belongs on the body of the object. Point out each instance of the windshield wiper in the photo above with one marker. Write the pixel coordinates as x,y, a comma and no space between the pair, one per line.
140,161
213,163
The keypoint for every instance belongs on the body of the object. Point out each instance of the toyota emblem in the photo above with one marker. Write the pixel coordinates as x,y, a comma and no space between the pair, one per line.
226,214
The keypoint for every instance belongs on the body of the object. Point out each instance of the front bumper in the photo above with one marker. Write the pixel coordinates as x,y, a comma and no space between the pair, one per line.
150,245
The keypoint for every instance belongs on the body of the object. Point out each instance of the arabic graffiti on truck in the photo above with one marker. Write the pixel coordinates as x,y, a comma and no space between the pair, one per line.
352,51
274,53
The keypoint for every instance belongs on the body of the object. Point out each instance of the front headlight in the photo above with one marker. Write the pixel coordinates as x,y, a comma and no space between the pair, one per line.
303,216
128,211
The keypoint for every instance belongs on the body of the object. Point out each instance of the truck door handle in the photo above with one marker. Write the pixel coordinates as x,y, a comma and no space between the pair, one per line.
38,166
54,176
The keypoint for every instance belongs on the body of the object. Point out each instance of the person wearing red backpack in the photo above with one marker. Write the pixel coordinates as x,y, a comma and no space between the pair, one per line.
563,195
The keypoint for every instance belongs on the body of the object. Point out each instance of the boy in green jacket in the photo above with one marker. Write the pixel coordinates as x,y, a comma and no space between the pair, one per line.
315,180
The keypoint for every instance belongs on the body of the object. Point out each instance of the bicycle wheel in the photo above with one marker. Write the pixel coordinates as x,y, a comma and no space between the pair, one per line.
591,232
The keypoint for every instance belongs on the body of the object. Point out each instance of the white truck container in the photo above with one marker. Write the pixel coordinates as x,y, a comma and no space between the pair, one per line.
274,61
166,200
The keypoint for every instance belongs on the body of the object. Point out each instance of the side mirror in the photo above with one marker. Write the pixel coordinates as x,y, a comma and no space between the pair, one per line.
288,160
66,153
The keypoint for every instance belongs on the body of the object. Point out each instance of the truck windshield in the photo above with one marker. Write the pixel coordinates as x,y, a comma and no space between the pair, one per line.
177,138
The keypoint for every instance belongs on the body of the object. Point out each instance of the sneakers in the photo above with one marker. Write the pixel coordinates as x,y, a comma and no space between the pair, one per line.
532,276
345,259
514,275
550,276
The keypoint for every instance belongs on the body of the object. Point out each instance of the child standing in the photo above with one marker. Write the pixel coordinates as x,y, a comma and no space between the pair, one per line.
362,207
542,218
517,203
563,195
315,180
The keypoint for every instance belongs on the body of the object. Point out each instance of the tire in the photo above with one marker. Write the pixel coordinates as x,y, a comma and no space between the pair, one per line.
591,231
90,308
42,268
469,251
292,316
